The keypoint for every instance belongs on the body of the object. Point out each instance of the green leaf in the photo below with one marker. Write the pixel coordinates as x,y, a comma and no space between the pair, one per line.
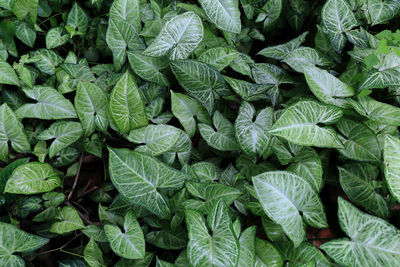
122,35
51,105
377,111
95,232
25,33
128,10
299,124
360,143
267,255
56,38
372,242
11,131
357,181
6,172
68,221
303,254
140,184
279,52
218,248
224,13
247,244
7,74
77,20
126,105
26,9
93,255
91,105
186,109
149,68
252,130
219,57
304,57
46,60
13,239
201,81
382,11
157,139
284,197
64,134
129,243
32,178
248,91
178,38
391,156
337,19
270,13
223,138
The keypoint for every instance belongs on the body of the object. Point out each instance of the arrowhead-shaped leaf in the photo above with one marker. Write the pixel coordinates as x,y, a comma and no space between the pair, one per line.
224,13
7,74
68,221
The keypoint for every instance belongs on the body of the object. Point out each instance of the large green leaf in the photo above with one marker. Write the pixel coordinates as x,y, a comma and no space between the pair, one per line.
91,105
157,139
93,255
26,9
32,178
7,74
267,255
140,178
223,137
252,130
25,33
248,91
219,57
327,87
247,244
186,109
377,111
201,81
11,131
360,142
46,60
55,38
149,68
284,197
68,220
126,105
128,243
299,124
373,241
128,10
6,172
77,21
122,35
391,157
178,38
224,13
64,134
13,239
337,19
218,248
357,181
51,105
382,11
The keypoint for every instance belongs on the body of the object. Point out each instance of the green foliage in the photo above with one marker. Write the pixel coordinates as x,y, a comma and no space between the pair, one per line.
200,133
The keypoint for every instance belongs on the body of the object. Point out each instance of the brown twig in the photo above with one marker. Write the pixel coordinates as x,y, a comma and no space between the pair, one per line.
87,192
59,248
76,178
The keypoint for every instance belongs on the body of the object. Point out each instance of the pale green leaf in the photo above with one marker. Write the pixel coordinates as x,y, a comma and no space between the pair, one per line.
7,74
267,255
221,247
299,124
32,178
284,197
46,60
251,129
219,57
391,157
201,81
157,139
247,244
357,181
270,13
178,38
93,255
128,243
303,57
224,13
91,105
26,9
327,87
139,178
77,20
372,242
382,11
128,10
248,91
11,131
25,33
223,137
64,134
51,105
68,220
56,38
187,110
126,105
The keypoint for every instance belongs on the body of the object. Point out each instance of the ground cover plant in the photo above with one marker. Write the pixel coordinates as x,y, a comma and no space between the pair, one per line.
200,133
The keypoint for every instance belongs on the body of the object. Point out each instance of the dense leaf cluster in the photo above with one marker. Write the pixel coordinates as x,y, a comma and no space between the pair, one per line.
200,133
